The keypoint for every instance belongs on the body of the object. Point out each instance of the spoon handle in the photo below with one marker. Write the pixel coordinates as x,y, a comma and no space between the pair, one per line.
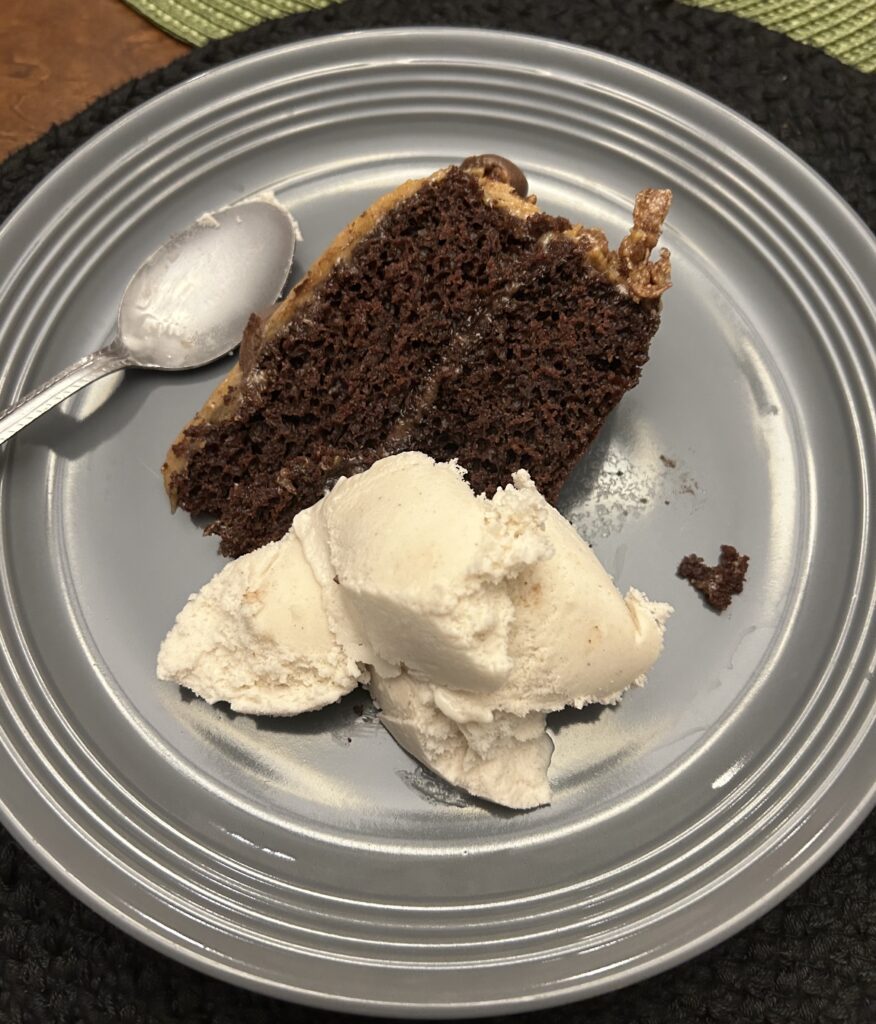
61,386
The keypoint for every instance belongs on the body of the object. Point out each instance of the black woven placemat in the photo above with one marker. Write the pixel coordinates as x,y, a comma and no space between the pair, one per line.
812,960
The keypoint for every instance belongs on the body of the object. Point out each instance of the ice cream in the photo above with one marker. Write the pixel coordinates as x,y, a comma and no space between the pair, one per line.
468,618
257,636
416,568
504,758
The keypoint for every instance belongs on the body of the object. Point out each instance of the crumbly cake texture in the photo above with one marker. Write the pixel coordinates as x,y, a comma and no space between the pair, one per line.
720,583
452,317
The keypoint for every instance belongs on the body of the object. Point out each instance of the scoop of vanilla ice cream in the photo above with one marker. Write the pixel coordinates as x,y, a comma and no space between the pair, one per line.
504,759
257,636
415,568
574,639
468,618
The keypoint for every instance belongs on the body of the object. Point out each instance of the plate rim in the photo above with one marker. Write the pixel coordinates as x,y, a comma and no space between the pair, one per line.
819,852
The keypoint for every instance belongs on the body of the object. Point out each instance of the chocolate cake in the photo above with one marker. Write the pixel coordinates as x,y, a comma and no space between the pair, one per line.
452,317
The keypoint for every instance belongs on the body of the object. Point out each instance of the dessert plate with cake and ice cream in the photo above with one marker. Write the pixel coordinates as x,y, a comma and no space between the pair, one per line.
425,736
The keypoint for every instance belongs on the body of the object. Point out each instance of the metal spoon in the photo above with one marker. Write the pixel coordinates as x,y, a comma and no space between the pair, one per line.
187,304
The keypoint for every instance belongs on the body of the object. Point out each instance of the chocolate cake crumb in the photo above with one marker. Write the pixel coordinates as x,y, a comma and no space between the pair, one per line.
717,583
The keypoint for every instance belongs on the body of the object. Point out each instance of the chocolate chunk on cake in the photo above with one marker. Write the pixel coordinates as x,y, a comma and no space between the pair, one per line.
452,317
717,583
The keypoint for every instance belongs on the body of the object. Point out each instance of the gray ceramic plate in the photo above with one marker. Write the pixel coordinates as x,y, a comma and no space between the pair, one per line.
312,859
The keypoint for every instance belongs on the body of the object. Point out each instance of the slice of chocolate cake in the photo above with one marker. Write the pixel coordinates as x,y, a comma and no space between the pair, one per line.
452,317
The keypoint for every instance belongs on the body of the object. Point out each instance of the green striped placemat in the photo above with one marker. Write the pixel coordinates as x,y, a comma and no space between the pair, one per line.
846,29
197,21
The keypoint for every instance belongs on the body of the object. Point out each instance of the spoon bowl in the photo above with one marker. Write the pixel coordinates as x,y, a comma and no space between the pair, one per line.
188,304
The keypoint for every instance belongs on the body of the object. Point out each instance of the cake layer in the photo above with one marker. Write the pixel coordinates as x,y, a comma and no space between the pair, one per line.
453,317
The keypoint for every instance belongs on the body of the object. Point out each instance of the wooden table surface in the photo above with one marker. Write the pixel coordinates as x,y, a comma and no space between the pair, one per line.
56,56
